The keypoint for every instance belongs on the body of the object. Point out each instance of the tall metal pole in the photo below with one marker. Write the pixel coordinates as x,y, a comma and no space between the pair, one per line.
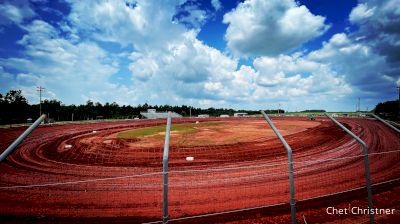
40,90
14,145
366,166
165,170
290,160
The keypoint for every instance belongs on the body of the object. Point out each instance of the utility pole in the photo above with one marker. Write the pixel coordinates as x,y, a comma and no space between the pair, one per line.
40,89
279,108
190,111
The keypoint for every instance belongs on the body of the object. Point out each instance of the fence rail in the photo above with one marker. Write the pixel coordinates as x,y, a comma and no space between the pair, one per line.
15,144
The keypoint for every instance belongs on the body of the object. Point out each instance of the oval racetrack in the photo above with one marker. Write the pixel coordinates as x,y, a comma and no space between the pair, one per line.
85,170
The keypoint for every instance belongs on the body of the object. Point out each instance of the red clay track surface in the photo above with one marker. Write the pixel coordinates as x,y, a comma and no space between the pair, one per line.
83,172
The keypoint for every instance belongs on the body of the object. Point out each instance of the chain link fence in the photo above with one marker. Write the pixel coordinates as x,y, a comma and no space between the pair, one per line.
86,172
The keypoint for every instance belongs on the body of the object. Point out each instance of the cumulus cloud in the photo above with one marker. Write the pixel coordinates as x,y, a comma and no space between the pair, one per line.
363,68
15,12
257,27
295,75
361,12
379,28
145,24
188,68
70,71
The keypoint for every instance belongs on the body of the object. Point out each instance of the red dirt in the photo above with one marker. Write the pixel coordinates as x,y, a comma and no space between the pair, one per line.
248,173
223,132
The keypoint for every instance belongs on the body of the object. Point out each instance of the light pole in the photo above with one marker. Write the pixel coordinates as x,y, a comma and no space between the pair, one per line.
40,89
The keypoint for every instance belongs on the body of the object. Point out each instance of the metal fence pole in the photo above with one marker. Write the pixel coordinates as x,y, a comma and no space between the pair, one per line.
290,160
385,122
14,145
165,169
366,165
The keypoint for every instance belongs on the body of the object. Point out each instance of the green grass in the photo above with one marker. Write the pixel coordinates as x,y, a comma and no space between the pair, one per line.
351,114
178,128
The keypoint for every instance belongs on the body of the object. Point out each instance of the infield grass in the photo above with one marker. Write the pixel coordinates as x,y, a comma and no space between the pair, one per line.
188,128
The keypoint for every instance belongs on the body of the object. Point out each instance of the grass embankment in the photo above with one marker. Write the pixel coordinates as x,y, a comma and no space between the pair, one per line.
340,114
176,128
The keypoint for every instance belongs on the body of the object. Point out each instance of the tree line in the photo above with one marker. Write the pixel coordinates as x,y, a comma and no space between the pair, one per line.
14,108
388,110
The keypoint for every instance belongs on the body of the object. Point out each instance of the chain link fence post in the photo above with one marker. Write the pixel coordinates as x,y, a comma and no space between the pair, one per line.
14,145
290,163
165,170
385,122
366,165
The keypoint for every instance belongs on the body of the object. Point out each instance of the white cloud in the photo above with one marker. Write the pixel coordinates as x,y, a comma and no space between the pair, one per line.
70,71
257,27
188,69
360,13
146,25
191,15
15,12
360,65
216,4
294,76
143,68
378,28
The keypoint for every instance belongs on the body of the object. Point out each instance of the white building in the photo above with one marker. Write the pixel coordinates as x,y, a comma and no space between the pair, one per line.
153,114
240,114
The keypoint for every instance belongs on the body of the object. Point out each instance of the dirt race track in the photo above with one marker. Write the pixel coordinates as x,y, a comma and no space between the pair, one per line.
84,172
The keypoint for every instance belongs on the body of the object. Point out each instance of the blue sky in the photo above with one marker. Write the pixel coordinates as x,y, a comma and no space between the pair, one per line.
249,54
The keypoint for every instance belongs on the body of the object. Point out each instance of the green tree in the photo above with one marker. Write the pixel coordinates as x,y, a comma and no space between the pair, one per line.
388,109
14,107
